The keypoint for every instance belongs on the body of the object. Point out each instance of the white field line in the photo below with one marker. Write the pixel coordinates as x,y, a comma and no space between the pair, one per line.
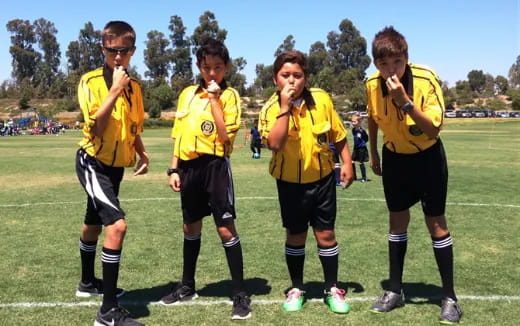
506,298
247,198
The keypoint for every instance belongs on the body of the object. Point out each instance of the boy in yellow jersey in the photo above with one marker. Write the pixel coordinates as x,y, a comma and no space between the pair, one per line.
112,106
206,124
405,101
297,125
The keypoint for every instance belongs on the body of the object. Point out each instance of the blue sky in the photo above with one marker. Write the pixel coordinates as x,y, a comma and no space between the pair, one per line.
452,36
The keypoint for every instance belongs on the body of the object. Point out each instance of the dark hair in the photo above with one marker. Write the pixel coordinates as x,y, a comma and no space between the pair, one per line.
389,43
214,48
292,57
117,28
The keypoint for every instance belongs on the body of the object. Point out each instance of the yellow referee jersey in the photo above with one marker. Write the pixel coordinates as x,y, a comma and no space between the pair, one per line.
195,131
401,135
306,156
116,146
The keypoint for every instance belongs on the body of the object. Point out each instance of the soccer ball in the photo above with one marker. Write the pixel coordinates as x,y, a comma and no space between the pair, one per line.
256,155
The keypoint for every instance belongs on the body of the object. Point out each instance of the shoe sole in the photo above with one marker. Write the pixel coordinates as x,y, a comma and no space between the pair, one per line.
178,302
238,317
81,294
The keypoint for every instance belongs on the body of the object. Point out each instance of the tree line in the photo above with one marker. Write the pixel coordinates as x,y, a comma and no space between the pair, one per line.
338,65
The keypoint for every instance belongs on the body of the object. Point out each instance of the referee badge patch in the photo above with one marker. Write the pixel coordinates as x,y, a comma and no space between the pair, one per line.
207,127
414,130
322,139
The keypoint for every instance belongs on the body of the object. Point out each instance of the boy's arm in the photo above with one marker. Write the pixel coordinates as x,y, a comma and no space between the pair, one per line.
120,81
174,180
347,173
375,162
144,159
278,133
214,93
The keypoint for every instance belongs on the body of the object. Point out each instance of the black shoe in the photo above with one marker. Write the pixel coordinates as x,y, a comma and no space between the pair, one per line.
450,312
94,289
180,293
117,316
388,301
241,306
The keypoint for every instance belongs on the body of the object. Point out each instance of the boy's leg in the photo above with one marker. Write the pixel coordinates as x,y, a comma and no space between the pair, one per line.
233,249
354,170
190,252
397,245
110,257
328,251
363,171
87,248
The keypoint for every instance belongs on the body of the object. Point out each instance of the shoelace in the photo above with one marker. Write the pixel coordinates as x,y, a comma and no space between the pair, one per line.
338,294
293,295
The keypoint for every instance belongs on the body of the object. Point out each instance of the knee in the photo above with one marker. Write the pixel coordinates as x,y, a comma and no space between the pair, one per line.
90,232
118,229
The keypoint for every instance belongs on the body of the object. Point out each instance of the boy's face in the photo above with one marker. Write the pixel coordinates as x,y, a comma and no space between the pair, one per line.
117,52
292,74
212,68
389,66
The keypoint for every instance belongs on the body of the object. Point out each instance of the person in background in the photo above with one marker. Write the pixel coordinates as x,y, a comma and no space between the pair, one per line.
256,141
405,101
360,151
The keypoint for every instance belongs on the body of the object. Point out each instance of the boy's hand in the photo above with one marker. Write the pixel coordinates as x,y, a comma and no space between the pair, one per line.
396,90
286,96
142,164
213,90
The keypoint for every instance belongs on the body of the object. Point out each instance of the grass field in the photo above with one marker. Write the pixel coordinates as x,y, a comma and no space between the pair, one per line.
42,204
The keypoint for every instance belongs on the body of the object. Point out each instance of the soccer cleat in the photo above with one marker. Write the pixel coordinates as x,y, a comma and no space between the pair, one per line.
94,289
294,300
180,293
388,301
450,312
241,306
117,316
335,299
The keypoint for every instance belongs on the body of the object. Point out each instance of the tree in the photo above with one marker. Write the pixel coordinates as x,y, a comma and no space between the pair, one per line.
514,74
25,57
501,84
463,91
48,69
234,76
182,74
477,80
348,49
317,59
287,45
85,54
157,56
207,29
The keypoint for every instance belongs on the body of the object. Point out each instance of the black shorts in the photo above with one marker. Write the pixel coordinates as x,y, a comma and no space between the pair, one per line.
360,154
101,183
207,188
409,178
304,204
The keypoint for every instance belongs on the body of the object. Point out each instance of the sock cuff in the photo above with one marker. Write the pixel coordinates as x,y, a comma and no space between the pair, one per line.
442,242
403,237
232,242
87,246
294,250
110,256
329,251
192,237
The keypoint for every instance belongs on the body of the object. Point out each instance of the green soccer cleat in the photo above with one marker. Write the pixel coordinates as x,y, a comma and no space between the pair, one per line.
294,300
335,299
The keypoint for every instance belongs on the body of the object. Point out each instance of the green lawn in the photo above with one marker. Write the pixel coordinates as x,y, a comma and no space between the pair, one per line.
42,205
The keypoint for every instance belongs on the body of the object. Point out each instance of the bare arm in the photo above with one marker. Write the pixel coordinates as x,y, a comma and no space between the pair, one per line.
375,162
278,134
346,174
216,110
144,160
174,180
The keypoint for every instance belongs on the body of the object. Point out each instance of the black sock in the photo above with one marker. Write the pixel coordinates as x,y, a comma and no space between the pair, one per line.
110,259
443,250
87,251
190,254
397,244
233,250
295,259
354,170
329,262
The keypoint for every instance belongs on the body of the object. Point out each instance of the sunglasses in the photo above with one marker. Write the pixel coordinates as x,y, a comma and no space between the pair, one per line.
121,51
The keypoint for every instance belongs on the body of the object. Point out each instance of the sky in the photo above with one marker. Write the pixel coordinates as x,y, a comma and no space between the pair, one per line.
451,36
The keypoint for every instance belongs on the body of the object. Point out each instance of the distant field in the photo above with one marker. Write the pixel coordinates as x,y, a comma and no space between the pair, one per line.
42,204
